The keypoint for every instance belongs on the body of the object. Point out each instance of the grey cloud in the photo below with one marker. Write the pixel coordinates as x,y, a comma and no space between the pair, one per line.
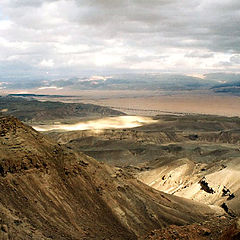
29,3
225,64
214,23
124,29
136,58
235,59
196,54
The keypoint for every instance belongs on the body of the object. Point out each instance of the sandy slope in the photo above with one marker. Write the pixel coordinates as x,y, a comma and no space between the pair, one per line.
183,178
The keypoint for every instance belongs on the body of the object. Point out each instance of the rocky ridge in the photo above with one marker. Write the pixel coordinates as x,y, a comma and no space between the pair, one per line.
51,192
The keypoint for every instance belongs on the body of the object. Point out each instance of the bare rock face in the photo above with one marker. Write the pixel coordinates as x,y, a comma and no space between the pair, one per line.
16,152
205,186
50,192
213,229
233,232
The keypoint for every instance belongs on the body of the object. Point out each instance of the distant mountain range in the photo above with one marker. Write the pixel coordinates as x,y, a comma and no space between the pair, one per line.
148,81
230,88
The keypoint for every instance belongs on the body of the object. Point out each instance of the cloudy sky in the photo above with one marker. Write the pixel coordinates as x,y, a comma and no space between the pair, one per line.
67,37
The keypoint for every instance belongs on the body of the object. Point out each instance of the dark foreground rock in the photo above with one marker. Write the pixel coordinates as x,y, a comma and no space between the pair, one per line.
217,228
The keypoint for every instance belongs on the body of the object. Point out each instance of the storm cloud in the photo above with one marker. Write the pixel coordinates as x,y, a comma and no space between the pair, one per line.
70,36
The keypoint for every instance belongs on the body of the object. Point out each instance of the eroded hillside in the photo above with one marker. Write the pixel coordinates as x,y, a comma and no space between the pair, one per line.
50,192
192,156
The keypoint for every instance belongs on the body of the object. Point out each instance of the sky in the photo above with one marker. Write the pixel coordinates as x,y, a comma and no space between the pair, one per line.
68,37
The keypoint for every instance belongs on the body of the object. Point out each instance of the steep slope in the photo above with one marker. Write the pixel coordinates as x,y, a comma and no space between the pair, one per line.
215,183
49,192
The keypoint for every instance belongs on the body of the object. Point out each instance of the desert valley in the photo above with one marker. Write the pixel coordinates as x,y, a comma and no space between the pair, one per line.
92,172
119,120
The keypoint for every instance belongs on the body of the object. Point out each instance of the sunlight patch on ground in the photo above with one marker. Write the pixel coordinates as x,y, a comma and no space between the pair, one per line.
104,123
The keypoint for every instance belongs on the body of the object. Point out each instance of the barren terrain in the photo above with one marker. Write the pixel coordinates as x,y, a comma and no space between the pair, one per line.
51,192
151,103
118,177
174,103
192,156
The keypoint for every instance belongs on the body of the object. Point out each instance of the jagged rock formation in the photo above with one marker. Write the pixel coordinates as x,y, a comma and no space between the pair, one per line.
205,186
50,192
